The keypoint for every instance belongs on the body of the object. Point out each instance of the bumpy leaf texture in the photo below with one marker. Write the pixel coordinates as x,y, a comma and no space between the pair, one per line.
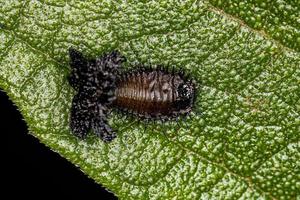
243,142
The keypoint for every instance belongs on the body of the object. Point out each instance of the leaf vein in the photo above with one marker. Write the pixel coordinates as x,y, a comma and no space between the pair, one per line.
243,23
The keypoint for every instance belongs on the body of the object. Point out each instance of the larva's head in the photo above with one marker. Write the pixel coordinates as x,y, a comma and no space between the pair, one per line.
185,96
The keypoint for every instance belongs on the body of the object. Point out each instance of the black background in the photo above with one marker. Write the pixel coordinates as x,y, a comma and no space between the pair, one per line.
30,169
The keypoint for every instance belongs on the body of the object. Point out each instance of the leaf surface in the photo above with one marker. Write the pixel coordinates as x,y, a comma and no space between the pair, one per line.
242,142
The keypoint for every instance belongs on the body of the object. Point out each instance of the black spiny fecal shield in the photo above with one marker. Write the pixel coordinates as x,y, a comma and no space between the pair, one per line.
146,93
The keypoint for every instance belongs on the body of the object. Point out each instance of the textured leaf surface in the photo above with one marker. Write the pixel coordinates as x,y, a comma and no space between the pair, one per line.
244,144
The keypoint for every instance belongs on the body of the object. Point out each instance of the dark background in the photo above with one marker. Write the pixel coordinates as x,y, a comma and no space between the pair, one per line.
30,169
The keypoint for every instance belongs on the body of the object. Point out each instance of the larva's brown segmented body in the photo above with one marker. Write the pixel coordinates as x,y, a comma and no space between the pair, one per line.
146,93
154,94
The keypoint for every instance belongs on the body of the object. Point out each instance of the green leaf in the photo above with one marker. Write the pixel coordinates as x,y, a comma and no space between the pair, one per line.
243,141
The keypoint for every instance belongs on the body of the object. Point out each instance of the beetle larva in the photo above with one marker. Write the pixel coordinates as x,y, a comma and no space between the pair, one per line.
146,93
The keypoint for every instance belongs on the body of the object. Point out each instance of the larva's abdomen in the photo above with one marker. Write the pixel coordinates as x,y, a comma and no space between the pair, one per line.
142,93
148,93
